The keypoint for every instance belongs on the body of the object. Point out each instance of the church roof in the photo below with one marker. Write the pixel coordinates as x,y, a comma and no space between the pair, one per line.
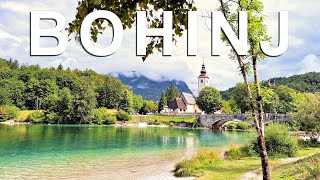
188,98
177,104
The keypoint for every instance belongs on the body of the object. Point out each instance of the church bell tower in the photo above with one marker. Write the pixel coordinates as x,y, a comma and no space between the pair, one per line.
203,79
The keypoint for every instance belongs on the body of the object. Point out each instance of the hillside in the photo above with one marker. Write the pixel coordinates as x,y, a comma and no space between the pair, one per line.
147,88
309,82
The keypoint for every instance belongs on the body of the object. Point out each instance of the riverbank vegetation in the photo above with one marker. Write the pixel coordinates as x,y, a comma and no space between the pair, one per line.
63,96
306,168
210,164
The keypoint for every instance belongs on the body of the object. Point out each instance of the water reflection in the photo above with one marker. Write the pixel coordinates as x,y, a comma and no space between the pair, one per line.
85,150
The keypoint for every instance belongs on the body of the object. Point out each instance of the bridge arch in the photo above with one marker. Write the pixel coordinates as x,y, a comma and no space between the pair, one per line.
217,120
218,124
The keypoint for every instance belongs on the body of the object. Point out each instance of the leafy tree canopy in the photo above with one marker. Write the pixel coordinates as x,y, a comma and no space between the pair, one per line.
126,11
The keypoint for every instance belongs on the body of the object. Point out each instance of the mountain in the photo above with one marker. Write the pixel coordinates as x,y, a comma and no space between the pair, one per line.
308,82
147,88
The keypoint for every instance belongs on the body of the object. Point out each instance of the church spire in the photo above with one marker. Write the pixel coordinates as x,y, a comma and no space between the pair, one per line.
203,70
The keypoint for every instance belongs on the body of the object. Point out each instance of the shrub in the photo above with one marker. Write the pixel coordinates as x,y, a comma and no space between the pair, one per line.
312,167
37,117
231,126
278,141
8,112
192,167
52,118
234,154
123,116
308,143
100,116
155,122
243,125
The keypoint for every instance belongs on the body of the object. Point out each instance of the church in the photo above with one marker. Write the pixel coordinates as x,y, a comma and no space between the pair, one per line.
186,103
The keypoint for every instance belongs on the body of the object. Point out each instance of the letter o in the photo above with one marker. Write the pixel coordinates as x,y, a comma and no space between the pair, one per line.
117,33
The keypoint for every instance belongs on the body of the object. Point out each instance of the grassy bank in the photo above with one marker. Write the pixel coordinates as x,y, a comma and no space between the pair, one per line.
211,165
23,115
162,120
305,168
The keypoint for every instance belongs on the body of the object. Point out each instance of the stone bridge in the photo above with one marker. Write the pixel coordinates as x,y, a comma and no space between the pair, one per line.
215,121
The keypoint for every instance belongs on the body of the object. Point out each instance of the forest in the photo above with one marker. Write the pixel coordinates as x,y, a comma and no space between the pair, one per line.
64,95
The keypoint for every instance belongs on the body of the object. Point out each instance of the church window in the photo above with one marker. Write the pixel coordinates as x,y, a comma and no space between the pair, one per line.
201,81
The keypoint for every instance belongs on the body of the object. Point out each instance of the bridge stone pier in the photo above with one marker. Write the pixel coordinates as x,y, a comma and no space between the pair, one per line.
215,121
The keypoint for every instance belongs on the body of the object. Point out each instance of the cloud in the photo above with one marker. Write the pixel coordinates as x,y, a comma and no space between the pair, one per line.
5,35
223,72
310,63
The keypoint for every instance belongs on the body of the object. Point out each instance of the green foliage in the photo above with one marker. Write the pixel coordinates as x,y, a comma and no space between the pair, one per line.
8,113
233,154
209,100
148,107
67,96
237,125
155,122
240,98
100,116
282,99
288,99
162,102
123,116
126,101
306,83
36,117
309,115
231,125
52,118
278,141
243,125
308,143
126,11
306,168
226,108
195,166
172,93
137,103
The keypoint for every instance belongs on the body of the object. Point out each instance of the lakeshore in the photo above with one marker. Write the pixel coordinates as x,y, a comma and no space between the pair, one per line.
102,152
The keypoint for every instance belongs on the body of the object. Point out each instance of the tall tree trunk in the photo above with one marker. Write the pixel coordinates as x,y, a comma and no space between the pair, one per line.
261,138
257,119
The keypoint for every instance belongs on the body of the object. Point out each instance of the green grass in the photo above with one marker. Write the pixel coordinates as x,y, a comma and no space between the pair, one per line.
163,119
210,165
306,168
112,111
22,115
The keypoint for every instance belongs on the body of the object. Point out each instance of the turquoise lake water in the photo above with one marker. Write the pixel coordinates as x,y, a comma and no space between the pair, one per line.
100,152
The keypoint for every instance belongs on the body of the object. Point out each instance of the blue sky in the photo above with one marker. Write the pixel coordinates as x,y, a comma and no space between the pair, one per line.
304,43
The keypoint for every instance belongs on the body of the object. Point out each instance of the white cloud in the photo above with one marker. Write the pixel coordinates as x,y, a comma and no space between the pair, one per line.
310,63
5,35
222,71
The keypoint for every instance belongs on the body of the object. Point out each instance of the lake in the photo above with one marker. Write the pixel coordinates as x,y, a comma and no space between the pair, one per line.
102,152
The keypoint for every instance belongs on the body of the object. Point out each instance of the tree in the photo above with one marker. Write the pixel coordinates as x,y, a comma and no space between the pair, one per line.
172,93
83,101
60,67
209,100
240,96
226,108
162,101
309,115
257,33
137,103
148,107
126,102
288,99
126,11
